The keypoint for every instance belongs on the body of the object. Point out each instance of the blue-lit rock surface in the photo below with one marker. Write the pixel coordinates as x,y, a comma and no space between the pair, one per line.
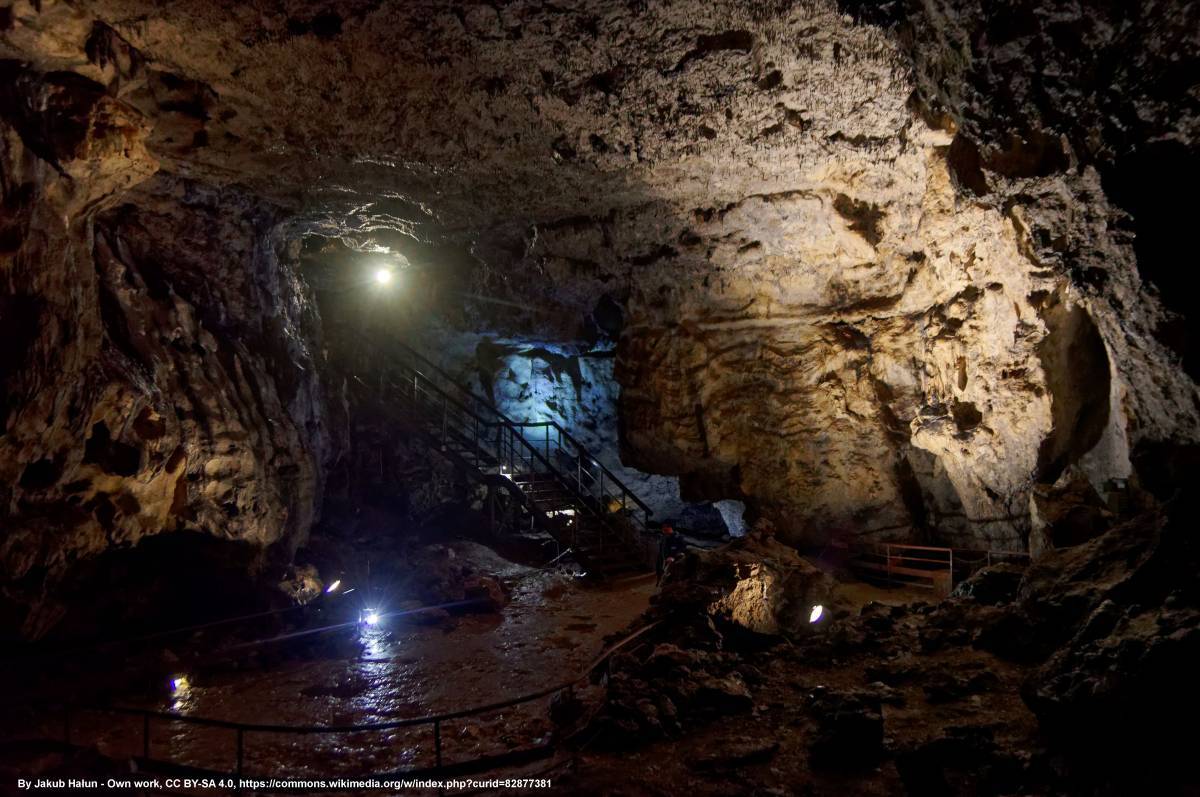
570,384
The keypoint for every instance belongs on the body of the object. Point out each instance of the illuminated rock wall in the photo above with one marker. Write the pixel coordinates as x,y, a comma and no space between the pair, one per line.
157,373
870,268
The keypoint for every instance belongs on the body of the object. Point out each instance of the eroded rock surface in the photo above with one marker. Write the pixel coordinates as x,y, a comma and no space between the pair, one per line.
159,373
876,271
755,583
1012,685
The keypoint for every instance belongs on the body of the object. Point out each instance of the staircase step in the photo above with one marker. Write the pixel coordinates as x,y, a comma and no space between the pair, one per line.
540,481
589,530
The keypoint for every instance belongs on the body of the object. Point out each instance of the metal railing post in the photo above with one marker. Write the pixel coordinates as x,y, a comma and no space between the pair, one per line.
241,753
430,385
242,729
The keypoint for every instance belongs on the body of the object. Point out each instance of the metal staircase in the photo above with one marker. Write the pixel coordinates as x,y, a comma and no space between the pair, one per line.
564,489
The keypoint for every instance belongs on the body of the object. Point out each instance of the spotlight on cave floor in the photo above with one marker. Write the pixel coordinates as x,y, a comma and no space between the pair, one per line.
383,276
371,617
179,684
817,612
334,586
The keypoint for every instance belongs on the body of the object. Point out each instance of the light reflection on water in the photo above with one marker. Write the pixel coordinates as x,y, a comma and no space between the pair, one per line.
402,670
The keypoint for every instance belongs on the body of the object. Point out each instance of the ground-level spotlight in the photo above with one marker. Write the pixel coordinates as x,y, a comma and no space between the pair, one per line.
817,612
333,587
371,617
179,684
383,276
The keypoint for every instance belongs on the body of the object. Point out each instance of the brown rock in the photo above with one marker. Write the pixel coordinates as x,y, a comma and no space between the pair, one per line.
736,753
755,583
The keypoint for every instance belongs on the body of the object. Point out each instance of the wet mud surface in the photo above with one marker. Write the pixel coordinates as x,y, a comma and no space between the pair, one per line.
552,628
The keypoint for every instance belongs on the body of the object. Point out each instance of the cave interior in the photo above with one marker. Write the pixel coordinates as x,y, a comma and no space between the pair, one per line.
635,396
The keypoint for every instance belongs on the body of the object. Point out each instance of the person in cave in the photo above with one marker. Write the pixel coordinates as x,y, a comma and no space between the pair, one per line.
670,548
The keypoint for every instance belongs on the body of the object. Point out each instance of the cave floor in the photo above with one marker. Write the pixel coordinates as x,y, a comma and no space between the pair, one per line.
551,629
767,752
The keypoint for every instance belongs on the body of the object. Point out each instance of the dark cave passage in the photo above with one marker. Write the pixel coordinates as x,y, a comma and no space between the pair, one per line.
1139,183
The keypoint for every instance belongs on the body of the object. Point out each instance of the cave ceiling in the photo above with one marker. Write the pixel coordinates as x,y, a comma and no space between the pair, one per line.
859,249
472,119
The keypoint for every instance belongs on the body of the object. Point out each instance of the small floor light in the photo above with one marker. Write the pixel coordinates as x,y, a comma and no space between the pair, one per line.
816,613
371,617
383,276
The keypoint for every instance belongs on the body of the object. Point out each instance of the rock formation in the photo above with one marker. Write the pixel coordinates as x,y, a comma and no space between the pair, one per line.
158,373
871,269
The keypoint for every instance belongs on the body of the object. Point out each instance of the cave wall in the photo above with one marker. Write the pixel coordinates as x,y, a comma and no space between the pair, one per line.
834,232
158,374
810,356
949,299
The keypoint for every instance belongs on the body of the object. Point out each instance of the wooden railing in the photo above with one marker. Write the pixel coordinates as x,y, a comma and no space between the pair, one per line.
926,566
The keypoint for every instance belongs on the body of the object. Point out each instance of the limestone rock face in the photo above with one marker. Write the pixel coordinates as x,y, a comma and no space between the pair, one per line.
754,583
873,269
1127,603
158,374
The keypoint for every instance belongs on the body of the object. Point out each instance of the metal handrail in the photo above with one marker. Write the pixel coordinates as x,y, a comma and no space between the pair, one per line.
580,449
886,549
508,440
583,453
451,401
436,720
618,490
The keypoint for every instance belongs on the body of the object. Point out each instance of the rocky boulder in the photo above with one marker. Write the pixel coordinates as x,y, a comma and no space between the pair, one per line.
443,578
992,585
1068,512
849,729
1128,604
754,583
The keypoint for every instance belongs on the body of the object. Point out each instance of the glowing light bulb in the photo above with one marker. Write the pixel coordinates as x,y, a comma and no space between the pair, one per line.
383,276
333,587
179,683
816,613
372,617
